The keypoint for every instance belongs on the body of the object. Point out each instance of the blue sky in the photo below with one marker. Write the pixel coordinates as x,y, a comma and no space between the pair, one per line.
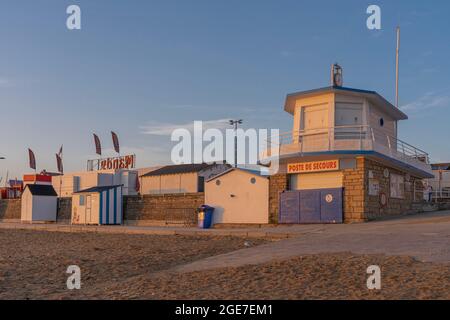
141,66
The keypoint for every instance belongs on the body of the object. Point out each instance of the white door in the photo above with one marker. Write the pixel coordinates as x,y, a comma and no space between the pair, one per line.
88,209
314,126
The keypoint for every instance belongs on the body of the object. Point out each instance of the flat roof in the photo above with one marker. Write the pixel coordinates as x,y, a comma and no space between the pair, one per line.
250,171
376,98
440,166
99,188
178,168
41,190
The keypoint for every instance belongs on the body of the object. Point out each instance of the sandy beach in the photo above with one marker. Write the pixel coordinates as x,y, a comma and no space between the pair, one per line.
117,266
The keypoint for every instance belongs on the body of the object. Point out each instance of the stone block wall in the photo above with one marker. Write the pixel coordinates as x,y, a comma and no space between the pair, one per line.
10,209
394,206
64,212
277,184
164,207
355,188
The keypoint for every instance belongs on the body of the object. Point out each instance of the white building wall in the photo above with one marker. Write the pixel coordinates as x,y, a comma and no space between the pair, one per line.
38,208
237,200
26,206
73,182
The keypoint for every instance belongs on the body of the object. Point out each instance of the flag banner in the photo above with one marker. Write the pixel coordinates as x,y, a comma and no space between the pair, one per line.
138,185
115,142
59,163
32,159
98,147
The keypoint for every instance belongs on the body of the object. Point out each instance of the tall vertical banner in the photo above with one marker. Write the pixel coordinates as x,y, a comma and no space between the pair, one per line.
32,159
115,140
138,185
98,146
59,163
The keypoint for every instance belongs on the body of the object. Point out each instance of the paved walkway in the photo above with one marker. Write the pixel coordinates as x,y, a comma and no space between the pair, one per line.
279,232
425,237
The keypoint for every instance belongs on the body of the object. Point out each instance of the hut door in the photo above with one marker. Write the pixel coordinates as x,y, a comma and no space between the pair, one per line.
88,209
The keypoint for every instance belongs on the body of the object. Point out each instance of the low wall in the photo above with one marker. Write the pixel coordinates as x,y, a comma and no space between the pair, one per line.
147,209
10,209
162,209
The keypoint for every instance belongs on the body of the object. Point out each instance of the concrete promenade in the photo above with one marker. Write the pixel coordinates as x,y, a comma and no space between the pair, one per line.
425,237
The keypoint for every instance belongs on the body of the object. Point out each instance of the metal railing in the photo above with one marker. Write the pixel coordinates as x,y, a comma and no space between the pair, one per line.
443,194
347,138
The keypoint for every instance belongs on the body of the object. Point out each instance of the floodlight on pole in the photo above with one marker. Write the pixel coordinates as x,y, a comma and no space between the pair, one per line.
235,123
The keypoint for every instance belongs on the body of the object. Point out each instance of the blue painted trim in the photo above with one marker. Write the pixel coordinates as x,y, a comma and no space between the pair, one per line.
360,152
101,209
115,206
404,165
107,207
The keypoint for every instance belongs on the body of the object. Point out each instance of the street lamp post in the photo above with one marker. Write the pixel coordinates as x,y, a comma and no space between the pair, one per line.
235,123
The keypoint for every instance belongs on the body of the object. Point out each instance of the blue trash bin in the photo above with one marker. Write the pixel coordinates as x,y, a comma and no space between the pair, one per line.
205,215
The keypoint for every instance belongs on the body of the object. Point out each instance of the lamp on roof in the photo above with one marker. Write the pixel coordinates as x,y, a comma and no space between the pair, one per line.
337,79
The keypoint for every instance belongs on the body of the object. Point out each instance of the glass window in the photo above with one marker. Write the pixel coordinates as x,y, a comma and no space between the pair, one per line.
82,200
397,186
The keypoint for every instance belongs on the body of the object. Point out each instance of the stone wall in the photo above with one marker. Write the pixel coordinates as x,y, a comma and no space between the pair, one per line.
354,183
165,208
64,212
10,209
394,206
277,184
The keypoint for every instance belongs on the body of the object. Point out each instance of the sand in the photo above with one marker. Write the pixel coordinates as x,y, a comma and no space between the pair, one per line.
115,266
33,264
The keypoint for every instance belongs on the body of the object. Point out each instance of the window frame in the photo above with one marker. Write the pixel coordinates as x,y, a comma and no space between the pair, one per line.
397,188
82,200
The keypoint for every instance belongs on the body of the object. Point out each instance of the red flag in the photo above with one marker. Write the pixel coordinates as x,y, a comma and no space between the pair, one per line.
32,159
59,163
115,140
138,184
98,147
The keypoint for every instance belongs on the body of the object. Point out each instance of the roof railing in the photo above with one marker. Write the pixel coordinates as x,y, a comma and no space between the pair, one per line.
339,138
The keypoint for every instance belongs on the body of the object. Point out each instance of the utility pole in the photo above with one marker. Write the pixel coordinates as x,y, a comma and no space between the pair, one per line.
235,123
397,52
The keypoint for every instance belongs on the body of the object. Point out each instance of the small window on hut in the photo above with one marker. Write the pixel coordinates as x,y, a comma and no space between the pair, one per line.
397,186
81,203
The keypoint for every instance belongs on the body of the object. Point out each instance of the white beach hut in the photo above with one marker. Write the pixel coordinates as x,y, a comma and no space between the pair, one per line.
239,196
98,205
39,203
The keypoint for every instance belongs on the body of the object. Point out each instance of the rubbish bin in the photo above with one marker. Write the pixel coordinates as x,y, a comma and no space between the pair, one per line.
205,215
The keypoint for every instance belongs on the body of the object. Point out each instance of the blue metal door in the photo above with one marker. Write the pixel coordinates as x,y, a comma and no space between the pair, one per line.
311,206
309,210
331,206
289,204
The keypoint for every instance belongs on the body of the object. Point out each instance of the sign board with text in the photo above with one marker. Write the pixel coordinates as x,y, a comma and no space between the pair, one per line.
315,166
122,162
